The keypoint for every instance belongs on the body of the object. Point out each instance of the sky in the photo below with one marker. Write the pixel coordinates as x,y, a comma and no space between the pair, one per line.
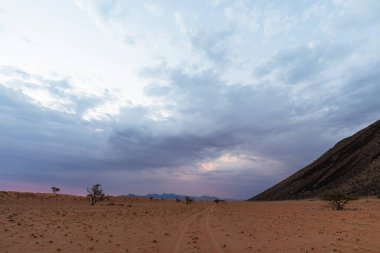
221,98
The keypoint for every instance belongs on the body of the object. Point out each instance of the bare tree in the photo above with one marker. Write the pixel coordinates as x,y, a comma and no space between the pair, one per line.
55,189
96,193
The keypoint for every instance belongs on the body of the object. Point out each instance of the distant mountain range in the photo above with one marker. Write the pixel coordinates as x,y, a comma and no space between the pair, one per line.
173,196
352,166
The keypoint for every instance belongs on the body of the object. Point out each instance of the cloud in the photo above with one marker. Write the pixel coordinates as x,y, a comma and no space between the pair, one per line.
55,94
237,163
56,143
304,63
276,22
112,17
299,92
353,15
144,151
154,9
187,22
14,72
40,142
240,15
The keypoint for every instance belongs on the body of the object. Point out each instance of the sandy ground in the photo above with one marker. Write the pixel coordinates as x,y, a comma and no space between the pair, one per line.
47,223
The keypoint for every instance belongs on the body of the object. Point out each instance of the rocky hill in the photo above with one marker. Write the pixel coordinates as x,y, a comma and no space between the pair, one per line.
351,166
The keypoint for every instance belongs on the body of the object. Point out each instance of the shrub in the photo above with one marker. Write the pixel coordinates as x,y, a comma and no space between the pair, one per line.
96,193
55,189
337,199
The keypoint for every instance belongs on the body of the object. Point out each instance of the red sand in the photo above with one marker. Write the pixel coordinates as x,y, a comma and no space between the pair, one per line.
47,223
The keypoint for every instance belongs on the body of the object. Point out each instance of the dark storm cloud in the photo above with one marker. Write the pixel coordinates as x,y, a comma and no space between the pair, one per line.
141,150
37,142
210,119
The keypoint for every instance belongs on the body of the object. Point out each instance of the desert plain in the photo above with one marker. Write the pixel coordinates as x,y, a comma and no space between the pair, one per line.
35,222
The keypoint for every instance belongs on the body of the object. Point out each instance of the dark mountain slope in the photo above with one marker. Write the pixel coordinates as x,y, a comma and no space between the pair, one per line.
351,166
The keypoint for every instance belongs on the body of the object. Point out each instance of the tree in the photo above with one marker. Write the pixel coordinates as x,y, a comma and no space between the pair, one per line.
189,200
337,199
95,193
55,189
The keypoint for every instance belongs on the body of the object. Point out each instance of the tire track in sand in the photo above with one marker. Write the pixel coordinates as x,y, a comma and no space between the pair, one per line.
194,234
